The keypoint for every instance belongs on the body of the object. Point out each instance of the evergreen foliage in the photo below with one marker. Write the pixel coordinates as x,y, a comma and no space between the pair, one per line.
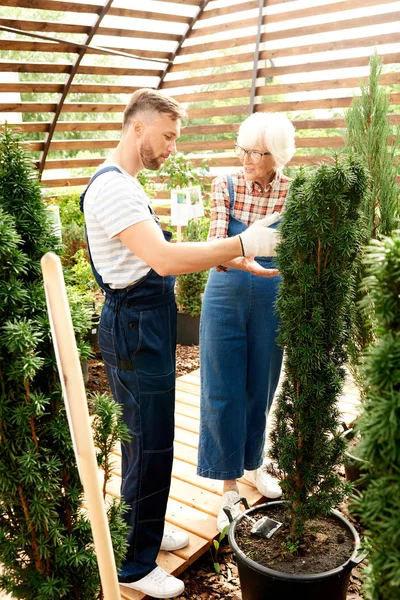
46,546
370,135
379,424
320,240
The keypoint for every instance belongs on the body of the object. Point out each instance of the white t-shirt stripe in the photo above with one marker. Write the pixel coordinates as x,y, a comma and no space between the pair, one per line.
113,202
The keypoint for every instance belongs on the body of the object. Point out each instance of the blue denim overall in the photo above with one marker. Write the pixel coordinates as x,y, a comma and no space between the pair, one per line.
240,363
137,339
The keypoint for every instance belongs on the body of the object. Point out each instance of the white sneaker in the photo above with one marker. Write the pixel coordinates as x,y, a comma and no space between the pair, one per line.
230,500
158,584
267,486
174,540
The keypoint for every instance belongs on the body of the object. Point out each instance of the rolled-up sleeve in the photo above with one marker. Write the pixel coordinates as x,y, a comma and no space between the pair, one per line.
219,209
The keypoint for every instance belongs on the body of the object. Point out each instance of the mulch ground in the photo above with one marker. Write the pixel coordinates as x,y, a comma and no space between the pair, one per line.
201,580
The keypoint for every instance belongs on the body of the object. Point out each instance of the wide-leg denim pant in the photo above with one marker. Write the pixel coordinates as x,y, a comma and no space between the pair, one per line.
240,363
137,338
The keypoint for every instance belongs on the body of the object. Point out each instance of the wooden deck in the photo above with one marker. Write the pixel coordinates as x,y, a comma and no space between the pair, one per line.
194,501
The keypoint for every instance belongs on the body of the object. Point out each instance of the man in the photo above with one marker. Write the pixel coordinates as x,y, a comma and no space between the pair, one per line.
133,262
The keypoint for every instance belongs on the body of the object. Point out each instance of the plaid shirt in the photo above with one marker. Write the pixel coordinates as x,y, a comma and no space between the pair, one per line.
251,202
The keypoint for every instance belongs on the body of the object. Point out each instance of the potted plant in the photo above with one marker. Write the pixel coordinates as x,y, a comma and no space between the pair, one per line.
178,172
353,463
190,288
379,504
320,241
46,546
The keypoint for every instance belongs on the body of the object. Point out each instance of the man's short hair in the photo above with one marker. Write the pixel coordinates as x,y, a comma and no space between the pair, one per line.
152,101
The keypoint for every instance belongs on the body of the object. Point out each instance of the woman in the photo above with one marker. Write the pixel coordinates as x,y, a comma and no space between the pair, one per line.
239,356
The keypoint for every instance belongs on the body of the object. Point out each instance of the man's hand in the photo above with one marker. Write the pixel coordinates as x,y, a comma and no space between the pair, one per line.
250,265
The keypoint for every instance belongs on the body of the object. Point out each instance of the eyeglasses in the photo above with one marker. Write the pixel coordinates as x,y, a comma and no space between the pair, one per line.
254,155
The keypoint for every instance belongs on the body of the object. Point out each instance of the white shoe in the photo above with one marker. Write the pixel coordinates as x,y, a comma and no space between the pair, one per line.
174,540
158,584
230,500
267,486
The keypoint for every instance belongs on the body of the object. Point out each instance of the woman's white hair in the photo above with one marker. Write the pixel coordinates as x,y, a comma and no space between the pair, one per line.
272,132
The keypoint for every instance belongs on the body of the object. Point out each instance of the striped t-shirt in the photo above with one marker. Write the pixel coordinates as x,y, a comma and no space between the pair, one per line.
113,202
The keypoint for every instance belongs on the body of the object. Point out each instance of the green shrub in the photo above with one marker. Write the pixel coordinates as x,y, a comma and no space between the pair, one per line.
379,424
46,545
320,240
190,286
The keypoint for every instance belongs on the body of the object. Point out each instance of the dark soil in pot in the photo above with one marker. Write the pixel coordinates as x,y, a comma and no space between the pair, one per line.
327,544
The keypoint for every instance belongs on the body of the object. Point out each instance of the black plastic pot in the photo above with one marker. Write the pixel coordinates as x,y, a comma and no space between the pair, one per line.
187,329
92,333
261,583
352,464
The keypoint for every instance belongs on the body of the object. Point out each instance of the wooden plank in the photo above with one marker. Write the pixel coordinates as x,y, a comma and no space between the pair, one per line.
188,397
193,377
298,32
53,5
196,547
190,495
191,519
46,26
294,105
294,50
272,90
248,57
343,5
34,67
188,2
63,47
272,72
312,142
185,453
66,182
186,437
72,163
268,19
187,423
137,33
72,145
41,126
94,8
186,410
186,386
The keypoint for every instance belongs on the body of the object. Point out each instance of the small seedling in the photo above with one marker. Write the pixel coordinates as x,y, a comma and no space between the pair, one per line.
214,550
290,545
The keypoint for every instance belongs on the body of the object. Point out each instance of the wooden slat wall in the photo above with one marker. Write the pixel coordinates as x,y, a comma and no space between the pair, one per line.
311,57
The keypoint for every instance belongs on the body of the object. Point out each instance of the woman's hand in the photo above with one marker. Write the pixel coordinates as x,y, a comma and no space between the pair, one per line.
250,265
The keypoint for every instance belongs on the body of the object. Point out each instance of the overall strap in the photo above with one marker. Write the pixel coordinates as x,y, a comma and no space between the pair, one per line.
231,192
95,176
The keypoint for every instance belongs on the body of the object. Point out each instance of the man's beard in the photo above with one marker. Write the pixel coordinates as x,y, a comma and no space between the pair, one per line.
149,160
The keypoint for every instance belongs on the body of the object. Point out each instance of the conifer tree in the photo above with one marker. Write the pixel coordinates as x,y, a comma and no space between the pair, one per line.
46,546
371,136
379,425
320,240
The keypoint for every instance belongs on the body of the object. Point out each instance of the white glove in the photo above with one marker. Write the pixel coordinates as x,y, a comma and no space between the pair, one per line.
258,239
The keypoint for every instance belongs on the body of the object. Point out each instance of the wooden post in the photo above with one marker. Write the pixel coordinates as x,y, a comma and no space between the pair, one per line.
70,373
